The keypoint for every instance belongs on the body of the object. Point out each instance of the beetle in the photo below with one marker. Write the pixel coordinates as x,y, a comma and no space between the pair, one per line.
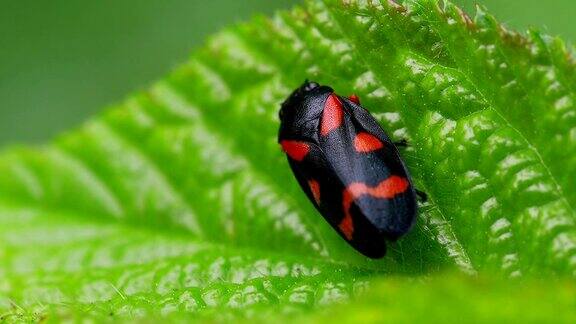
348,167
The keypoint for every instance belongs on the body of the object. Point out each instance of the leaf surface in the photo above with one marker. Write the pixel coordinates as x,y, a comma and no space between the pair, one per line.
179,202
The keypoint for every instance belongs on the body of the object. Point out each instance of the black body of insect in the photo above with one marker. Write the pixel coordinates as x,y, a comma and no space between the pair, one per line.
348,167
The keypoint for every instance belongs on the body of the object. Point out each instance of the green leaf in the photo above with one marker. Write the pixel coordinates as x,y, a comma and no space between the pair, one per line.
438,300
178,202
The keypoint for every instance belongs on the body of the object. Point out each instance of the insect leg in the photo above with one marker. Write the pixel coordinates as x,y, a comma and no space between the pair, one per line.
402,143
421,195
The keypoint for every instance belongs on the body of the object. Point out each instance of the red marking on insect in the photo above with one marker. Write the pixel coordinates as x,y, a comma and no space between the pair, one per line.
315,189
332,115
386,189
354,98
347,226
295,149
365,142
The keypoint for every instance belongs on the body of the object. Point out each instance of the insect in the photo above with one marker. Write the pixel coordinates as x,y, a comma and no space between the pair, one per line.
348,167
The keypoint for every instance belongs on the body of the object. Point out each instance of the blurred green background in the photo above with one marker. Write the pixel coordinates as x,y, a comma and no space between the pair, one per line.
63,60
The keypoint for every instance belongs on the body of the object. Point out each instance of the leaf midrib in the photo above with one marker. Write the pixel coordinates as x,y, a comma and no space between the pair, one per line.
371,66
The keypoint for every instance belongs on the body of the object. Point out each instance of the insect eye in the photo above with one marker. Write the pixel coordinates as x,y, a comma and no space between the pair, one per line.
311,86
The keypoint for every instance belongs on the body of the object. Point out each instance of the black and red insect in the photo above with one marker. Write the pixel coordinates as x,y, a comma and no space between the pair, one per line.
348,167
